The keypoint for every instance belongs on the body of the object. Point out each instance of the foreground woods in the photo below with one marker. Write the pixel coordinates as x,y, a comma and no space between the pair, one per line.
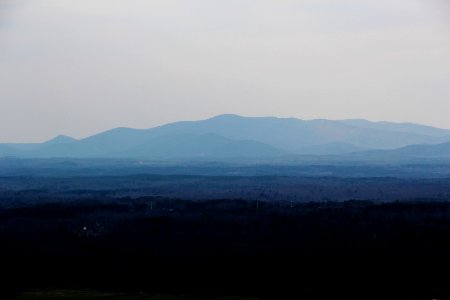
164,227
252,236
164,245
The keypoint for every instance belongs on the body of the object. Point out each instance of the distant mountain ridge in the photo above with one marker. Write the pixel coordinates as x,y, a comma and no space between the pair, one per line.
232,136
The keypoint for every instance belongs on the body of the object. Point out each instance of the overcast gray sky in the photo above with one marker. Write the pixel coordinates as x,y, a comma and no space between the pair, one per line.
78,67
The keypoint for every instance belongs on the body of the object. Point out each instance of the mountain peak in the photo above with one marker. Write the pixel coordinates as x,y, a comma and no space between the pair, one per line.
227,117
234,117
61,139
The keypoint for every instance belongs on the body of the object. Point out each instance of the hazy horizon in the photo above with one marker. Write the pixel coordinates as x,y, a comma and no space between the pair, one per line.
78,68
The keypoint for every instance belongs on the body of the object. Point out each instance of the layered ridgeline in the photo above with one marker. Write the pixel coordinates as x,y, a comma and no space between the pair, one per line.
232,136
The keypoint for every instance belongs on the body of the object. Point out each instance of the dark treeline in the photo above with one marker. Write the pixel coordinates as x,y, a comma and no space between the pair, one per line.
260,247
172,227
16,190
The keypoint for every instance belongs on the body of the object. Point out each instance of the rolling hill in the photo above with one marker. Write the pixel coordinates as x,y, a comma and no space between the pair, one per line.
409,153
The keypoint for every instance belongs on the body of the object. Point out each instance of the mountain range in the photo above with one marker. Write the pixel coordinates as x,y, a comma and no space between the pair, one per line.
232,136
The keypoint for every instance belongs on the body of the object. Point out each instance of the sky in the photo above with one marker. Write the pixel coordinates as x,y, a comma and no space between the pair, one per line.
79,67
